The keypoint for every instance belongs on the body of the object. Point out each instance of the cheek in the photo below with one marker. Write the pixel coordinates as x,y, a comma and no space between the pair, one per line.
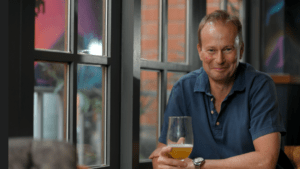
208,57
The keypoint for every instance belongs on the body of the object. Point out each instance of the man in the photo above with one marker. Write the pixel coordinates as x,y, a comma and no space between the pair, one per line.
234,109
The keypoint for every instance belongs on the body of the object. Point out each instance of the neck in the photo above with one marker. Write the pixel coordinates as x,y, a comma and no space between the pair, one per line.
221,89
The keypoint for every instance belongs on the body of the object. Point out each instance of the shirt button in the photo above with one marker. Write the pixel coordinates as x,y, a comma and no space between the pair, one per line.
211,99
218,123
212,112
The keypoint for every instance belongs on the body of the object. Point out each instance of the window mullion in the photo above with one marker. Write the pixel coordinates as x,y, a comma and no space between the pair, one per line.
72,135
164,30
187,32
163,99
73,26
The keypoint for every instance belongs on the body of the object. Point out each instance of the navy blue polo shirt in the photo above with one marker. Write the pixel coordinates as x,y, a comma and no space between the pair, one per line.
249,111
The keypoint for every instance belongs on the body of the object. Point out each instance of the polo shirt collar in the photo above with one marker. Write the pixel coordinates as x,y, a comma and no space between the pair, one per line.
202,82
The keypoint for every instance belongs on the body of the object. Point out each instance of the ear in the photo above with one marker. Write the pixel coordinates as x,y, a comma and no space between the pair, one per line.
199,51
241,50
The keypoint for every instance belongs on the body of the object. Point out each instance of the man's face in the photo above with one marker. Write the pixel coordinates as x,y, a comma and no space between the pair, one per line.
220,51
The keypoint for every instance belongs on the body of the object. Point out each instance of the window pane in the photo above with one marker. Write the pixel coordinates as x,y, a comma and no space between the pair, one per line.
148,113
51,25
235,7
212,5
91,115
172,78
91,26
50,100
176,30
149,29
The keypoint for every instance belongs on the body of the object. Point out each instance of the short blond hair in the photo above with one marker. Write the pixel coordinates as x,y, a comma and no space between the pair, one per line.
220,15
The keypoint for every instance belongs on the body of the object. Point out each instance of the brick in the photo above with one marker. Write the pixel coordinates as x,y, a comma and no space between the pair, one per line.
176,2
176,44
149,118
211,9
149,14
149,29
212,1
176,28
150,2
150,55
174,56
233,1
149,44
149,75
177,14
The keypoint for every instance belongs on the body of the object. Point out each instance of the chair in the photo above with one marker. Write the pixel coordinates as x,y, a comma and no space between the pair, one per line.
26,153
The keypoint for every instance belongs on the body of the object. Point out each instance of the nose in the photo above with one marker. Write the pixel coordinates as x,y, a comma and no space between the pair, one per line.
220,58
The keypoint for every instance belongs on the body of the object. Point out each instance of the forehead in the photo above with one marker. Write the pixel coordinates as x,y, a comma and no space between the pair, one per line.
218,30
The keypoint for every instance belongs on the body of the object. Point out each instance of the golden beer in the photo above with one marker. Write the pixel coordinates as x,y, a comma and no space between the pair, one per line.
181,151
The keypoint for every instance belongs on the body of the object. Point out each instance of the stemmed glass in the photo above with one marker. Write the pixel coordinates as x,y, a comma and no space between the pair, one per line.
180,136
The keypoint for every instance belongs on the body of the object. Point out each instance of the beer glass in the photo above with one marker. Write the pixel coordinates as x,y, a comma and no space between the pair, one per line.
180,136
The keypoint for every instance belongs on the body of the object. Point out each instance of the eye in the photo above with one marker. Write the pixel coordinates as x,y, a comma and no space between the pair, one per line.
228,50
210,50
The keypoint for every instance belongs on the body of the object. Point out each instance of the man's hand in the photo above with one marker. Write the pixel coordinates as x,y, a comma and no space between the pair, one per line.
161,158
165,161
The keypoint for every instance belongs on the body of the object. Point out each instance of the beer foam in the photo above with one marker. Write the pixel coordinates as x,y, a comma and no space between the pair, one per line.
180,145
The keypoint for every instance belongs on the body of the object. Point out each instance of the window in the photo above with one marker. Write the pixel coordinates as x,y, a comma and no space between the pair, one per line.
212,5
234,7
72,69
164,59
97,74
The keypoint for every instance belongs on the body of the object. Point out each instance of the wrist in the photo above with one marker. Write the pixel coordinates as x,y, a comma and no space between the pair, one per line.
198,162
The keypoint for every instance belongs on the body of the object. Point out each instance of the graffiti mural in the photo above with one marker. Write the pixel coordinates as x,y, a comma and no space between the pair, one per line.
273,37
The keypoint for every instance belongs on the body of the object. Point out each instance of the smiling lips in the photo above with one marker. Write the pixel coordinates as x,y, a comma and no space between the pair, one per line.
219,69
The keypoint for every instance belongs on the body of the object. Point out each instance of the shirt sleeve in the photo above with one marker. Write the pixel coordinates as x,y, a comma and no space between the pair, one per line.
264,111
175,107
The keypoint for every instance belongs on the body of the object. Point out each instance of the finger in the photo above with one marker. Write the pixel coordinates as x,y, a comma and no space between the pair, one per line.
165,161
165,151
155,153
168,167
181,140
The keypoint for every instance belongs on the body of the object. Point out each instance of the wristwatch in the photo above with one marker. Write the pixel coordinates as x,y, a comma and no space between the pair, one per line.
198,162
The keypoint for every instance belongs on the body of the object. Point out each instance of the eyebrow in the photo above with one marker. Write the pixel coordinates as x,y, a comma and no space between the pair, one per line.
222,48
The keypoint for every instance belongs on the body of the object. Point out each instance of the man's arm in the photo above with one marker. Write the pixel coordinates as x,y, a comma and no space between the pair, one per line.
155,154
162,160
265,156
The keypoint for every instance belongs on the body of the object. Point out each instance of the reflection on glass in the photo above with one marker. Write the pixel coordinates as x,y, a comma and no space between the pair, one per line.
212,5
235,7
172,78
50,101
91,26
176,31
51,25
149,29
91,115
148,113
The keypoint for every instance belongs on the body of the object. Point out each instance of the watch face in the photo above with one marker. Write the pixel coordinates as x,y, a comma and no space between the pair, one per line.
199,159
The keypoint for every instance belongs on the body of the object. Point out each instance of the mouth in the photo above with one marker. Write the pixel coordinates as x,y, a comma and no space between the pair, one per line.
219,69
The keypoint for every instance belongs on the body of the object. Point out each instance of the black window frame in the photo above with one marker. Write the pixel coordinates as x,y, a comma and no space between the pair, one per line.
132,65
21,22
